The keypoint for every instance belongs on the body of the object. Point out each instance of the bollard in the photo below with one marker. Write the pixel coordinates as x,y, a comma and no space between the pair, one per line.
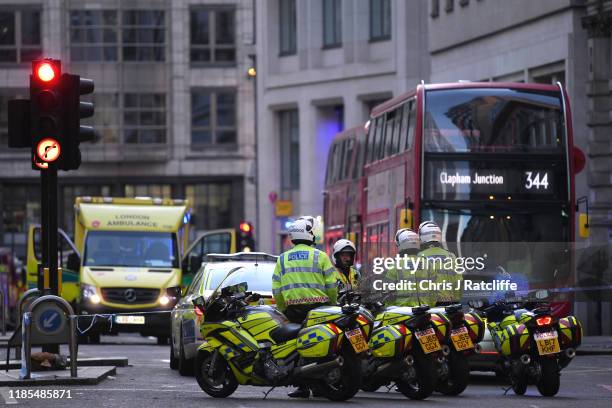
26,349
73,345
3,311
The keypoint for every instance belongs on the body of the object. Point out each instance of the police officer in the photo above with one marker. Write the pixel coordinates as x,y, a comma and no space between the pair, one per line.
410,270
304,279
344,258
440,264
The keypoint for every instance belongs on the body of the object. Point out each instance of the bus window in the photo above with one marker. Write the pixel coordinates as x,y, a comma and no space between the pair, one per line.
379,139
370,141
411,124
359,156
397,130
389,128
334,163
404,126
350,160
343,160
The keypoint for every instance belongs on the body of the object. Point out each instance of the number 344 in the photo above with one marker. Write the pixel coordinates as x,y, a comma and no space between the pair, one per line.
535,180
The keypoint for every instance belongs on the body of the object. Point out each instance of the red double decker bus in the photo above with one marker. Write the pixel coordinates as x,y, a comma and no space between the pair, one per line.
344,187
492,163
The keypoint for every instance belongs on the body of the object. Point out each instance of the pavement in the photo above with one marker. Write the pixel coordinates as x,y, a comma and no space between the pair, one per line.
149,382
595,345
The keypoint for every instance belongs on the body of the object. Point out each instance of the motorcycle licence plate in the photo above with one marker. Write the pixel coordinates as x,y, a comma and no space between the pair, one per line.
357,340
130,319
429,340
461,339
547,342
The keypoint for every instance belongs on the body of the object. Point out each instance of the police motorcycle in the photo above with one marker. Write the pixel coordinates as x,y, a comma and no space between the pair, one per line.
256,345
534,346
403,349
460,338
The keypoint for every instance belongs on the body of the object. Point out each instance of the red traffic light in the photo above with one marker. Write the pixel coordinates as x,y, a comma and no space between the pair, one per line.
245,227
45,72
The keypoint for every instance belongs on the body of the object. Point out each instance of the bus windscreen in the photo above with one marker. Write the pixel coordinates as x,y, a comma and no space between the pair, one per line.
493,120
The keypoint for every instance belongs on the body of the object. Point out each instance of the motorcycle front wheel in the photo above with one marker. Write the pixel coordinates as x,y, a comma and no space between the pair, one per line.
422,386
222,383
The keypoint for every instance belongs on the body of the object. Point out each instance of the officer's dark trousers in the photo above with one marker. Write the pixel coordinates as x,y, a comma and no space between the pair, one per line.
297,313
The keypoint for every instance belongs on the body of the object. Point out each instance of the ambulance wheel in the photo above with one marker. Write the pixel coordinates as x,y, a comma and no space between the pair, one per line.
422,386
222,383
458,376
549,382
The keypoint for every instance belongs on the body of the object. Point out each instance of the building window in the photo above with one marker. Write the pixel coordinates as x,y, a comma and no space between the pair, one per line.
289,149
19,35
287,27
464,3
144,118
332,23
148,190
380,20
450,5
213,117
5,96
143,35
213,36
435,8
211,205
94,35
107,120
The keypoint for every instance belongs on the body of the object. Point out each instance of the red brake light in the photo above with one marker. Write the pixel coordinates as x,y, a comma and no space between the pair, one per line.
45,72
245,227
544,321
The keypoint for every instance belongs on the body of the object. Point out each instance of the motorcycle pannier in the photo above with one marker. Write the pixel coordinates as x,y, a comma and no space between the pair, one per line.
387,341
320,340
570,332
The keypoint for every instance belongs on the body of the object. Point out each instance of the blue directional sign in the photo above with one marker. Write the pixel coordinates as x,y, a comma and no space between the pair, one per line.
50,320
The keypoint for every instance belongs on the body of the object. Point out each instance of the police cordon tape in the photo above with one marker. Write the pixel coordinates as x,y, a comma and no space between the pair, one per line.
111,317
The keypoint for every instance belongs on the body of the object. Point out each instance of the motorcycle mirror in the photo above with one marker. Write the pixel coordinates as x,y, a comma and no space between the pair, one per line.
199,303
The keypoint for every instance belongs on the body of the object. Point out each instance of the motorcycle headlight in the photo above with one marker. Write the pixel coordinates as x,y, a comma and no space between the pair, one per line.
89,292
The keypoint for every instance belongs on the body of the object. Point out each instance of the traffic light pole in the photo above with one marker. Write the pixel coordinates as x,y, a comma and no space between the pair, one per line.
49,233
44,222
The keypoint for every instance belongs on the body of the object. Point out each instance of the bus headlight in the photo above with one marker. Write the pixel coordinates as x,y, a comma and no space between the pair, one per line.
89,292
164,300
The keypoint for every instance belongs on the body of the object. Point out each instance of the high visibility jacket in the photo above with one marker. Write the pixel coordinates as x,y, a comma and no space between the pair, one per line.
304,275
413,272
441,270
347,283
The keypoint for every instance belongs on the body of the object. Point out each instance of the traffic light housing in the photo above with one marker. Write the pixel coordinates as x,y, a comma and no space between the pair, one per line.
246,240
45,112
73,86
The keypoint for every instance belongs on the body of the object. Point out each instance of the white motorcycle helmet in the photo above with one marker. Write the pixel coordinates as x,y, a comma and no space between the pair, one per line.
302,230
343,245
429,232
406,239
